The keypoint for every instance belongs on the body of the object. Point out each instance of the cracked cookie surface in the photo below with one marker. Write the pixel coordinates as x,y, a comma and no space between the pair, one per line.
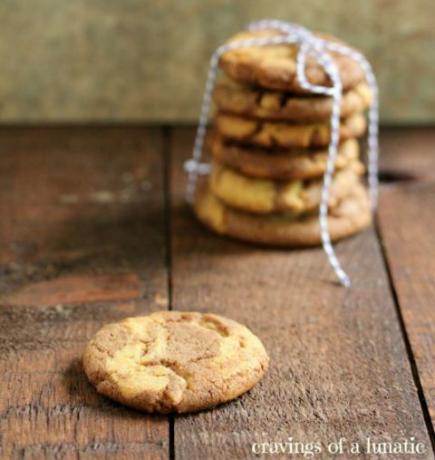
174,362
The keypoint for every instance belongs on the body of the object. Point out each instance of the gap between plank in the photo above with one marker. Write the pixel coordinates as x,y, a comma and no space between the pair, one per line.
409,352
167,200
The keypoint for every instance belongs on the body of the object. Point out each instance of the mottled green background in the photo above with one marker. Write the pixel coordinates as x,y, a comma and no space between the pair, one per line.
133,60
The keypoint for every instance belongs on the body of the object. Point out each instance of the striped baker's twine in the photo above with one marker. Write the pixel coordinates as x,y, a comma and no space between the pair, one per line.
309,45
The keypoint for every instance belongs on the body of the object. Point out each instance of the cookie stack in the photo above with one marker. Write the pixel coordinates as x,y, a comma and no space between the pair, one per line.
270,148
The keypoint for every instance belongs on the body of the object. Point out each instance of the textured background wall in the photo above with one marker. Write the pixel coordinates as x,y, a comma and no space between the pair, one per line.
138,60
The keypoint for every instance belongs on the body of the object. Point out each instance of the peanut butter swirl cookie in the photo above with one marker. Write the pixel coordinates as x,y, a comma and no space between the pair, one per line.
281,163
351,215
174,361
263,196
274,67
253,131
253,101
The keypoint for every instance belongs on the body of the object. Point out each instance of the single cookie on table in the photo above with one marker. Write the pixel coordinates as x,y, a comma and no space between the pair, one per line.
274,66
174,362
256,102
280,163
287,230
280,134
264,196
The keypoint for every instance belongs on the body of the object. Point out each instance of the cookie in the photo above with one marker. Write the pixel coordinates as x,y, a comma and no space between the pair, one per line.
274,105
274,67
279,134
174,362
286,230
263,196
280,163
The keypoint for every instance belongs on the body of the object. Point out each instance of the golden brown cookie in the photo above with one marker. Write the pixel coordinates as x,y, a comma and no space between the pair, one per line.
255,102
174,362
280,163
264,196
274,67
349,217
279,134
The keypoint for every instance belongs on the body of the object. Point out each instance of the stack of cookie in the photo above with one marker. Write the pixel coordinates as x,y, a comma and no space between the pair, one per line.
270,149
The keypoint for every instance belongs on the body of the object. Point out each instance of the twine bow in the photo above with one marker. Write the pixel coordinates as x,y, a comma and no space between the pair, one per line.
317,48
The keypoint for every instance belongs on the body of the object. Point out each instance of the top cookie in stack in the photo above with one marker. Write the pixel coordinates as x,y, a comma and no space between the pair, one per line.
270,149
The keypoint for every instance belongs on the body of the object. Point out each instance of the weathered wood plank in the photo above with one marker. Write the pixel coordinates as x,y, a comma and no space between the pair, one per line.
406,222
339,366
82,243
407,154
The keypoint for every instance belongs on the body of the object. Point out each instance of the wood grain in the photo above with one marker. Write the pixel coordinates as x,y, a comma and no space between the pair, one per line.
407,154
82,219
339,366
406,221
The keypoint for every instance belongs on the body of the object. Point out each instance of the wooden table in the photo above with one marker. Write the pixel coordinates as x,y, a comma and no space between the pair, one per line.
94,228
